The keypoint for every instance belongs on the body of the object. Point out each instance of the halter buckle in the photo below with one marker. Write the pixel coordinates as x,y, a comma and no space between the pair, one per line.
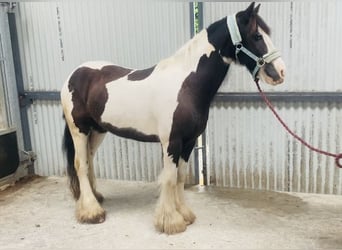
261,62
238,46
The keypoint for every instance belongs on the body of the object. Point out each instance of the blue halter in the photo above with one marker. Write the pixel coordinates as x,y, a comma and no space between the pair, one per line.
237,41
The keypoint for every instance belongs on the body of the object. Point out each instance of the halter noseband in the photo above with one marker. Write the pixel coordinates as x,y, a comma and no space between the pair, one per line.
237,41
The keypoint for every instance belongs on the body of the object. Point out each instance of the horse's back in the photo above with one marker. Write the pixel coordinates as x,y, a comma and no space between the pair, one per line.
95,64
86,84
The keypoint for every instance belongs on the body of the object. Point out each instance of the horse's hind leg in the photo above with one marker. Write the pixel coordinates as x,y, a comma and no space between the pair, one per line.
95,139
88,210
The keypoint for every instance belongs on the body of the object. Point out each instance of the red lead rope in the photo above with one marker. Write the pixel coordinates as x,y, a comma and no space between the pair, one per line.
269,104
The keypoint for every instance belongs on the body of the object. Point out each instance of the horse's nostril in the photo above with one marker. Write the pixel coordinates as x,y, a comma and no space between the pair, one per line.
282,73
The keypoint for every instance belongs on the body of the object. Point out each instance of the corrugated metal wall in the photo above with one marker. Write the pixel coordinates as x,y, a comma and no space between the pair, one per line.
56,37
4,42
247,147
3,110
9,103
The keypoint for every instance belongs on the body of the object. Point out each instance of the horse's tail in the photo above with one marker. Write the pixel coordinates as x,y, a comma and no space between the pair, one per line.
69,149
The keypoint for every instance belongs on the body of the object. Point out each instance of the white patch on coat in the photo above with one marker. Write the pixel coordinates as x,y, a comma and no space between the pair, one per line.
227,60
278,63
148,105
182,208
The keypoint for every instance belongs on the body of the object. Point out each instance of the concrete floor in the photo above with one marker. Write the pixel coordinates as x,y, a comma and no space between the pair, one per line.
39,214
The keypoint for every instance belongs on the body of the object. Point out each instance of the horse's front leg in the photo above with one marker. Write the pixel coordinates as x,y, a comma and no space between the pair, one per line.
181,206
167,218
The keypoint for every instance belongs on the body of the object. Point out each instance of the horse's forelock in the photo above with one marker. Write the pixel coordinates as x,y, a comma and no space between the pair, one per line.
261,23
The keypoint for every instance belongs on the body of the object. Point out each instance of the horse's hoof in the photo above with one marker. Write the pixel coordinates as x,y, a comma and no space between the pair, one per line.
95,219
93,216
187,214
170,223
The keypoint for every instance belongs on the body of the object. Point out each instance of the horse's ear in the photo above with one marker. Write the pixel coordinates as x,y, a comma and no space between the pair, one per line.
248,13
256,10
250,9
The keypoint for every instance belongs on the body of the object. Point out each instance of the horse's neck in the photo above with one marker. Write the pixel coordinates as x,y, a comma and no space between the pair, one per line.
209,76
194,49
207,67
187,57
200,58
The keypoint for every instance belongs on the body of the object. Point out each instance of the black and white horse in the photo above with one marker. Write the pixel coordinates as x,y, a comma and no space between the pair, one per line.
167,103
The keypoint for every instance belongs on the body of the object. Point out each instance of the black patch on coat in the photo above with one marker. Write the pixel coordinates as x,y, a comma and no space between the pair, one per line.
139,75
199,88
130,133
219,37
194,98
89,94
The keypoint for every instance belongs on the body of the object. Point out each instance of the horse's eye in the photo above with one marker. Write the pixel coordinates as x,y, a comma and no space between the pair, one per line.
258,37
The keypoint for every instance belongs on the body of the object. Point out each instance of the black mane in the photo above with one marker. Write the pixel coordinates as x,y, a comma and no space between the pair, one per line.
263,25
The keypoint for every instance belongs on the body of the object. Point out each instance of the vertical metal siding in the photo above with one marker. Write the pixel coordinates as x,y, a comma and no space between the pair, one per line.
56,37
247,147
60,36
242,150
9,103
3,110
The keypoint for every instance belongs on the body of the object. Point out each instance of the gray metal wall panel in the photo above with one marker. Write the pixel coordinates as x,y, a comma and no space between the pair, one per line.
56,37
46,128
242,151
3,109
247,147
3,84
9,95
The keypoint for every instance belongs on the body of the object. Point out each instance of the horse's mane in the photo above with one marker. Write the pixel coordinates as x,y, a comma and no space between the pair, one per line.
263,25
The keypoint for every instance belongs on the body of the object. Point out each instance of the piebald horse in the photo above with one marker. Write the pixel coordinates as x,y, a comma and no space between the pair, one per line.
167,103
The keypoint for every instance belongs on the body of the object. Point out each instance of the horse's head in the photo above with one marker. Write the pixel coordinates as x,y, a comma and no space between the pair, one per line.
254,47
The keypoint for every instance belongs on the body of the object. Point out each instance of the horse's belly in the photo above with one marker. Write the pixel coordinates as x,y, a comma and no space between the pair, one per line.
129,114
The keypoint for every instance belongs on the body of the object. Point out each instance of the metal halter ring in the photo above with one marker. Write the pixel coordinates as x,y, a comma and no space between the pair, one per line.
239,46
261,62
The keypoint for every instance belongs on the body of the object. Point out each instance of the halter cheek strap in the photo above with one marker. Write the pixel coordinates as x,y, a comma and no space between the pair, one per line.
237,41
233,29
